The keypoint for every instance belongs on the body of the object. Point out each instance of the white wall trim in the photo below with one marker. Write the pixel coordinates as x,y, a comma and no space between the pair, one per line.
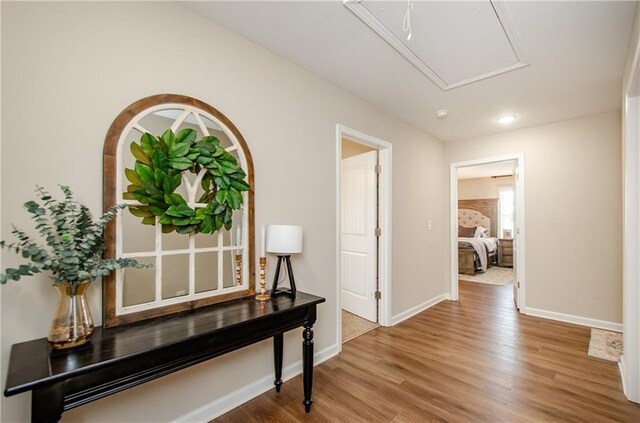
519,223
233,399
2,371
576,320
631,247
630,370
419,308
385,158
621,367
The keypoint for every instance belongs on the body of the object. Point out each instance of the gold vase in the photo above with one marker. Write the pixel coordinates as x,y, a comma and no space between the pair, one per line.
72,324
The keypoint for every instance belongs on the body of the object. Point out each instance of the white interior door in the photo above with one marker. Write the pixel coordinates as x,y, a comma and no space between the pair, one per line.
358,238
515,236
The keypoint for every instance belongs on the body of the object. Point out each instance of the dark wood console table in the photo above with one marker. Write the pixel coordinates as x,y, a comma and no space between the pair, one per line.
125,356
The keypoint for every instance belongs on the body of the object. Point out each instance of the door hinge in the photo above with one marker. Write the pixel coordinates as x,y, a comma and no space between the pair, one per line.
378,295
518,284
378,169
378,232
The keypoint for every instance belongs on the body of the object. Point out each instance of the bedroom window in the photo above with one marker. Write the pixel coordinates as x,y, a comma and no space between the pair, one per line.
505,204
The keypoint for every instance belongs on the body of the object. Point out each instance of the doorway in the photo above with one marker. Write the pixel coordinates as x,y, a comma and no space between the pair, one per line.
363,165
485,224
504,225
358,237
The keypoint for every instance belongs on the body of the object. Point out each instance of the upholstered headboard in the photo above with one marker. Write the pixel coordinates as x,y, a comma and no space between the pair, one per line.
469,218
482,212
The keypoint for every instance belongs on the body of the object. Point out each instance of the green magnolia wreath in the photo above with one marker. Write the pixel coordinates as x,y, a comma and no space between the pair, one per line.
160,162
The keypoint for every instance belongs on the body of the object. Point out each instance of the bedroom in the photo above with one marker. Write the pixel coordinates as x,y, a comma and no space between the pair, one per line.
486,218
69,68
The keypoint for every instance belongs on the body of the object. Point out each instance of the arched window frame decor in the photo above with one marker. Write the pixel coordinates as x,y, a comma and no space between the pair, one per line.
114,312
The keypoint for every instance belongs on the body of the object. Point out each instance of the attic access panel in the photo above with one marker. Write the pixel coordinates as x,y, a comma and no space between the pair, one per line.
453,43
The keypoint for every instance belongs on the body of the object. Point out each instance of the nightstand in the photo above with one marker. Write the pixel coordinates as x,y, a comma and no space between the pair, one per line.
505,252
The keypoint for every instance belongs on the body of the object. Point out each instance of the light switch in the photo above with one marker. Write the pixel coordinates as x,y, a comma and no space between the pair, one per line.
429,224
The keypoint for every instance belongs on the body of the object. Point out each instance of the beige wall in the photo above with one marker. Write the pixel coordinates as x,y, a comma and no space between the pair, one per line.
72,67
572,211
475,188
352,148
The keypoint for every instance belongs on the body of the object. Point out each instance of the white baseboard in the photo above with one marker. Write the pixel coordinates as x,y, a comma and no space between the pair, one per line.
419,308
623,374
233,399
576,320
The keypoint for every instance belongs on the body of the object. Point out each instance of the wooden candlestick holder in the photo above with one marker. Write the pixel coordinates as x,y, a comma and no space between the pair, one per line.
262,295
238,269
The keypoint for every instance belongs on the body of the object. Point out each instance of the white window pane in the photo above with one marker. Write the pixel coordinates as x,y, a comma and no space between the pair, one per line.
139,285
175,276
175,241
206,271
506,209
136,237
228,269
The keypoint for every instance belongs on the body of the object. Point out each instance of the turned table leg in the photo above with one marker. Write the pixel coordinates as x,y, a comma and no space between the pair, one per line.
277,360
307,364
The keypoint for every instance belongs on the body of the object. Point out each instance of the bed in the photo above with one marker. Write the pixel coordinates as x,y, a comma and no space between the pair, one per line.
477,248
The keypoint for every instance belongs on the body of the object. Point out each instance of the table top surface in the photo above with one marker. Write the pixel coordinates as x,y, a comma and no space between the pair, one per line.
35,362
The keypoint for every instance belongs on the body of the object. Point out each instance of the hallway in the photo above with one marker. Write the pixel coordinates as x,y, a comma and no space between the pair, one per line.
470,361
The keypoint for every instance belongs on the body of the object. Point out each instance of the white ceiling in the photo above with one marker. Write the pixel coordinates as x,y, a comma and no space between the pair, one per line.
489,45
576,52
486,170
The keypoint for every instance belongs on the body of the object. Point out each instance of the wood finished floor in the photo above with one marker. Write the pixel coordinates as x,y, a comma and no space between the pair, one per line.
476,360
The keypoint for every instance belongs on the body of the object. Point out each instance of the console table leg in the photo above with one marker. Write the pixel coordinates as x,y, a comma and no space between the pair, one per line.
46,405
307,365
277,360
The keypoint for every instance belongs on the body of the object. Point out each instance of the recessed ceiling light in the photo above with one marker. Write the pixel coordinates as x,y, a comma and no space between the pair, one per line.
442,114
507,119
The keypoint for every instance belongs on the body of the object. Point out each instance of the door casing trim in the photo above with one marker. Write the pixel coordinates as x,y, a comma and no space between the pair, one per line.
520,220
385,154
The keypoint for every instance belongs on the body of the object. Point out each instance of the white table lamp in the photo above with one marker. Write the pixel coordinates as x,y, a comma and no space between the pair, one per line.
284,240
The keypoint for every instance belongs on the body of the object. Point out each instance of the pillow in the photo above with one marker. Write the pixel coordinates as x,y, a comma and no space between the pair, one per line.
480,232
466,232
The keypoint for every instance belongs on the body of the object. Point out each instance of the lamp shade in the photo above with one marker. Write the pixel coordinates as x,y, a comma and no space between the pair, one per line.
284,239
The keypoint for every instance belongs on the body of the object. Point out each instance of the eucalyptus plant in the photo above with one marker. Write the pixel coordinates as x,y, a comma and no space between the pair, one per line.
73,243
